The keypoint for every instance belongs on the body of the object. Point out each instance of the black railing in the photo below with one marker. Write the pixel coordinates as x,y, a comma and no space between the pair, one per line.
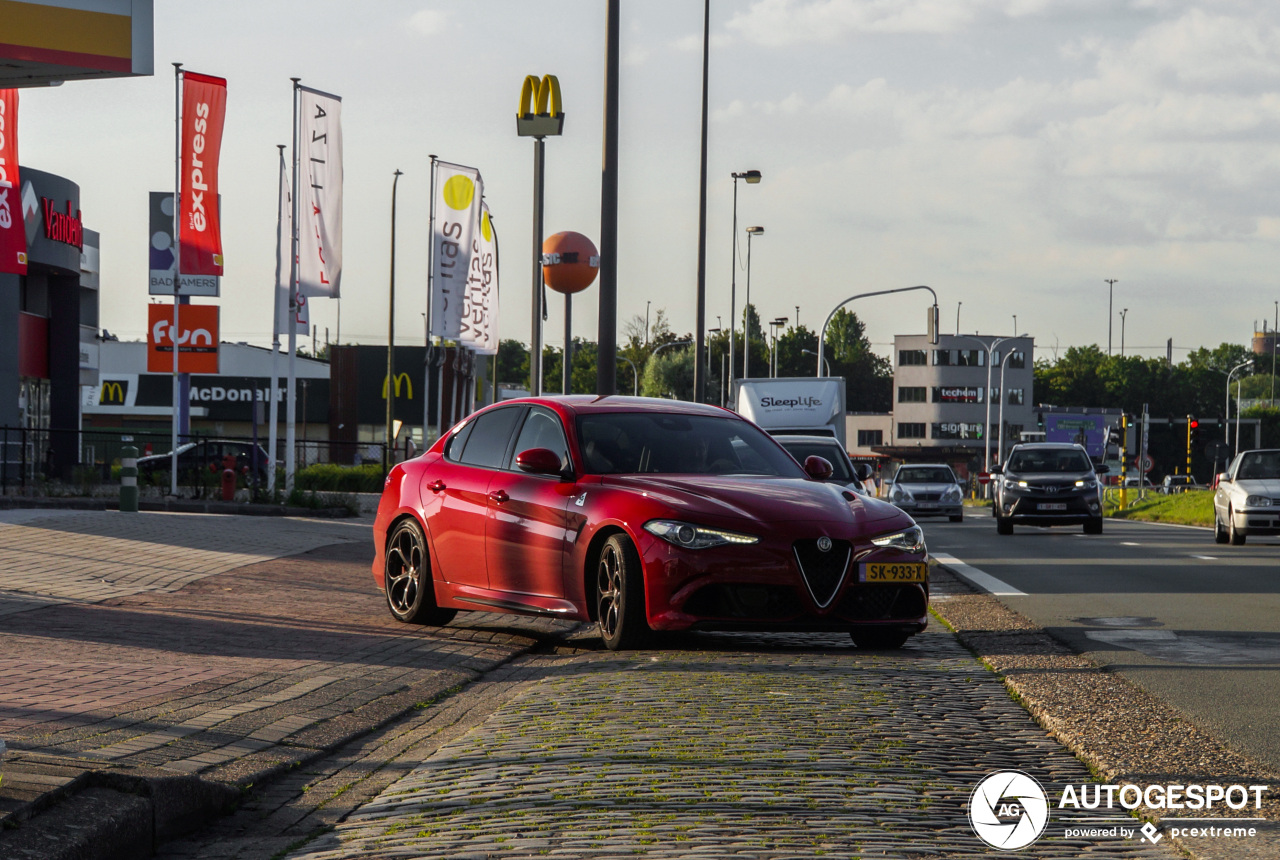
29,463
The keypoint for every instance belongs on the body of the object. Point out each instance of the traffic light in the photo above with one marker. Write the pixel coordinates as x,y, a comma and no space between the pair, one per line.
1193,432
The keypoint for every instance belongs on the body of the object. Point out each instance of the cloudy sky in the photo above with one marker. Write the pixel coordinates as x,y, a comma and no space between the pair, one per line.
1012,154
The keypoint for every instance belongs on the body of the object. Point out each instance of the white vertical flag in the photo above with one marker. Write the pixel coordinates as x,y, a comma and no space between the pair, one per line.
284,242
319,193
457,215
479,327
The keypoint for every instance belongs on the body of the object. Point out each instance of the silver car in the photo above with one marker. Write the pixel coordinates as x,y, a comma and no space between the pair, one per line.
928,489
843,470
1247,501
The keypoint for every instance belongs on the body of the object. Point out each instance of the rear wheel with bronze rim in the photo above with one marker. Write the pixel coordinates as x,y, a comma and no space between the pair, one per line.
407,578
620,608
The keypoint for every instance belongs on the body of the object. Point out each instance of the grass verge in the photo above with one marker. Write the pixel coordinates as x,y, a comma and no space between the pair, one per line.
1194,508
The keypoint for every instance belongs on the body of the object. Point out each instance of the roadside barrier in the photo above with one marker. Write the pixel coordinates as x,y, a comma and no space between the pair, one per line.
129,479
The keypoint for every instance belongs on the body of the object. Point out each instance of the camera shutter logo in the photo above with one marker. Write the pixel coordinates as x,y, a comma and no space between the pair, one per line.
1008,810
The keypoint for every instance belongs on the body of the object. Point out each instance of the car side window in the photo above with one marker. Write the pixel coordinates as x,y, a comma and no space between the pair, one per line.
453,447
542,429
487,444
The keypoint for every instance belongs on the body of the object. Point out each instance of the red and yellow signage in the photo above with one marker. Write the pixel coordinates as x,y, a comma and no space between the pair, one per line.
64,36
197,338
13,235
204,106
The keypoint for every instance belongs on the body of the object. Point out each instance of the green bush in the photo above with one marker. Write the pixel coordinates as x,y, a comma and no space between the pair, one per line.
332,478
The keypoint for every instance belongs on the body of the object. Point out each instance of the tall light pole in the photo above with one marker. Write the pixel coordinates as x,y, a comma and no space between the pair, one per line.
635,375
751,177
1004,396
1111,291
824,361
774,325
607,336
1015,324
391,339
958,304
646,323
1275,343
933,315
986,430
746,307
1226,431
700,324
1123,313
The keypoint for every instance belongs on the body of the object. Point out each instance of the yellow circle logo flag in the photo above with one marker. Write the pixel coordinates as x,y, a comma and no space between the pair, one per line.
458,192
486,229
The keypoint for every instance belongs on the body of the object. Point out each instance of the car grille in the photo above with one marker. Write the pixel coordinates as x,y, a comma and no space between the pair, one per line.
882,602
823,572
1051,488
928,497
759,602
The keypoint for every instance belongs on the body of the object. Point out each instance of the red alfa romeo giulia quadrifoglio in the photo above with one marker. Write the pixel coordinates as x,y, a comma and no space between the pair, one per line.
642,515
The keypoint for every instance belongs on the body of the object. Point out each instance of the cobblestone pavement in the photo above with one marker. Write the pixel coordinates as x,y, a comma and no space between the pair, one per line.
731,745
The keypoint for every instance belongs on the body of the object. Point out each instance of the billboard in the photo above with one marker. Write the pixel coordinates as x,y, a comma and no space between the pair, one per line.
197,338
1080,429
163,262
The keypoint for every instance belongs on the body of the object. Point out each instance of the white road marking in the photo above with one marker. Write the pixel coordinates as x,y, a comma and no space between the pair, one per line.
1206,557
983,580
1129,543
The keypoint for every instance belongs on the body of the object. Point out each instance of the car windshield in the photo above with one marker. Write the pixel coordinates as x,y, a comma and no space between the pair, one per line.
925,475
1259,465
1067,460
840,470
624,443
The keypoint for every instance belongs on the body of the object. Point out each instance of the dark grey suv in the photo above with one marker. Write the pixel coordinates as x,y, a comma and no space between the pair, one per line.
1048,484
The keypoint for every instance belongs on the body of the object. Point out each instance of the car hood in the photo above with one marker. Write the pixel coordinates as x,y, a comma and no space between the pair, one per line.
1052,477
1260,487
754,498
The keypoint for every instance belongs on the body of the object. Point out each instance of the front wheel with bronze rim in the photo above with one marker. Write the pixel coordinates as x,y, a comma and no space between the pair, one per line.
620,595
407,578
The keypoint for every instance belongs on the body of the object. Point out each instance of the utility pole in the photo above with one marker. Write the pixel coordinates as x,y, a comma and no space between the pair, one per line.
1111,291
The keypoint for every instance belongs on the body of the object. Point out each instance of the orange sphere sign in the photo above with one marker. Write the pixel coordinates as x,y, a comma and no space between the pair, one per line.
570,262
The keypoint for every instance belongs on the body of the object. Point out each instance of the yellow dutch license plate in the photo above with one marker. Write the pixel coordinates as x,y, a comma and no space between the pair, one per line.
902,571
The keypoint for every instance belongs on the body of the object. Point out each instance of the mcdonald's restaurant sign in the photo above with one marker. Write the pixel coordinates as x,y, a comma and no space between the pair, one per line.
400,377
114,392
541,112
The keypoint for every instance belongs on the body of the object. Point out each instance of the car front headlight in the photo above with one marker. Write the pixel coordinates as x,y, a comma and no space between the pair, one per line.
1015,485
907,540
690,536
953,494
1087,484
1258,502
901,495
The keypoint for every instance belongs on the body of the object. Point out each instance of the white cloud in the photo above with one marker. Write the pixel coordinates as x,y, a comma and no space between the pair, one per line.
429,22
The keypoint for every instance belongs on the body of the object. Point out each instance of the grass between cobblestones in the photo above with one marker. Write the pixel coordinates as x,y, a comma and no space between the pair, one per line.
1194,508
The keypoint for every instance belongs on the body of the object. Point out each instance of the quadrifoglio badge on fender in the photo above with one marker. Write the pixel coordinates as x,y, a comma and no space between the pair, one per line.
1010,810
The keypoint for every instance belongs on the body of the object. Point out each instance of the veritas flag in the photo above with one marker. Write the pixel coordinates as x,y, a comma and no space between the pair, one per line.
319,193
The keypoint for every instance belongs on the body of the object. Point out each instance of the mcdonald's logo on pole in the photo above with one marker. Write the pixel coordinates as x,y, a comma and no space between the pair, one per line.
400,377
541,112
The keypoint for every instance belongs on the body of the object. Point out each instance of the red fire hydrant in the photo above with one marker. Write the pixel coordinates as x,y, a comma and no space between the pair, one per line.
229,477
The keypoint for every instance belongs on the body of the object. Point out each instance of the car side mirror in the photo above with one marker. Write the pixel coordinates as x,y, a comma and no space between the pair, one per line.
862,470
539,461
1224,477
817,467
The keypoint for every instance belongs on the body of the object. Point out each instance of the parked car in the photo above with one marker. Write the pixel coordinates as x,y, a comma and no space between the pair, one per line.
642,515
1136,483
843,470
1177,484
928,489
1048,484
206,455
1247,500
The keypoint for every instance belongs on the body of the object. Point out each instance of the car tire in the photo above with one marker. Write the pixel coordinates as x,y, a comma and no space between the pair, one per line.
876,639
407,578
620,610
1219,530
1093,527
1234,537
1004,526
958,518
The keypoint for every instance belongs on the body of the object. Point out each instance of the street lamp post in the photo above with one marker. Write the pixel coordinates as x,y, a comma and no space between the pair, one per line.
746,307
822,333
391,337
986,430
1123,313
1004,397
774,326
1111,291
824,360
635,376
1226,429
751,177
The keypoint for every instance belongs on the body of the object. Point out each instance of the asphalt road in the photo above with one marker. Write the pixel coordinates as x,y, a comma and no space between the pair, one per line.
1193,622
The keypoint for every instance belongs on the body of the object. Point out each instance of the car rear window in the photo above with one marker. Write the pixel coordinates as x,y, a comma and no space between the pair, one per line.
925,476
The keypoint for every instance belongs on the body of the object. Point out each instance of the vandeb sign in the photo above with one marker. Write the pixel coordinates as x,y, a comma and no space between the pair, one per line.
197,338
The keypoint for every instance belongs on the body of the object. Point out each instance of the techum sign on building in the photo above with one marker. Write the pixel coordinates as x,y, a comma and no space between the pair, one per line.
52,42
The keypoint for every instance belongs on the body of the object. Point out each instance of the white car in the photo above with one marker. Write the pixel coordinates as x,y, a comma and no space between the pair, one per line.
843,470
928,489
1247,501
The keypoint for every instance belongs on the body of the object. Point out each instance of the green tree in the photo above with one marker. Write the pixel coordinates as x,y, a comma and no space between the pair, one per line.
669,374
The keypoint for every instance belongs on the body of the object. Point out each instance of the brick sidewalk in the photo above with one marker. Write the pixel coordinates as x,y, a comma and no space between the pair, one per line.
222,649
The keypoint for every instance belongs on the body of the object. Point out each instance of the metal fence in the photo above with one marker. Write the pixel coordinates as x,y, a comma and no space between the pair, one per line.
27,463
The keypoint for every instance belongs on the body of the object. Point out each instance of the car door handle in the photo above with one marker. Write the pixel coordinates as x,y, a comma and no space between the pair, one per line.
499,496
436,486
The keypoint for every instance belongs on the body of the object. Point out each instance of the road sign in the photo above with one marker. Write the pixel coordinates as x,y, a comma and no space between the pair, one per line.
1217,451
984,477
1147,463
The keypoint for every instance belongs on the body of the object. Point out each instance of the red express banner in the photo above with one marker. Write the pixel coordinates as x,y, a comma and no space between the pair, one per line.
13,232
204,104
